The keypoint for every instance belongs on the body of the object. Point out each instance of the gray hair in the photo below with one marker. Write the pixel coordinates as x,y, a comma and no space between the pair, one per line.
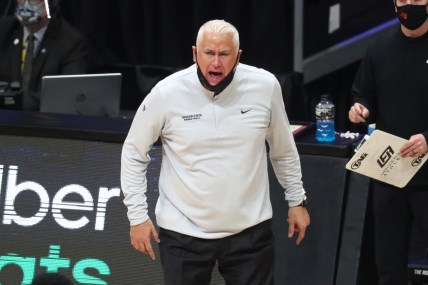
220,27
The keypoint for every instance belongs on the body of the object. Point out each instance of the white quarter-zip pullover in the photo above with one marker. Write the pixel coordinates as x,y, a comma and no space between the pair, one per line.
214,175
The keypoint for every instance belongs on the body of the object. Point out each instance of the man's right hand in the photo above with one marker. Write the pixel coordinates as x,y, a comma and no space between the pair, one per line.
358,113
140,237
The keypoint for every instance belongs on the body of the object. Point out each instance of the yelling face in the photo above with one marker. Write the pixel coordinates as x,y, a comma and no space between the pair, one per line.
216,56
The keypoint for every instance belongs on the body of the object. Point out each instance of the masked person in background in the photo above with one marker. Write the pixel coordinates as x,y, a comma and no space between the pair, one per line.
391,90
37,42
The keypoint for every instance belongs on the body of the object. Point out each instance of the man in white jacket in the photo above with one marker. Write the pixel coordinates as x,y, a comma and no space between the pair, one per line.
214,119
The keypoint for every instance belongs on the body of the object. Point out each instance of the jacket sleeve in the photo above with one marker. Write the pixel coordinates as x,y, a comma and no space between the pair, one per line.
76,53
363,88
143,133
283,151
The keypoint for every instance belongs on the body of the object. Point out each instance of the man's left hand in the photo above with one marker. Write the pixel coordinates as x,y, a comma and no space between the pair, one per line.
414,147
298,221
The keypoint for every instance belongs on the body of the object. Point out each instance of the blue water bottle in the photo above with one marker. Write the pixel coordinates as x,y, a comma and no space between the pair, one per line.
324,113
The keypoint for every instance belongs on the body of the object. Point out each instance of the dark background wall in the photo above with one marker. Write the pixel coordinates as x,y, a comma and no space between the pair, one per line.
161,32
146,40
356,17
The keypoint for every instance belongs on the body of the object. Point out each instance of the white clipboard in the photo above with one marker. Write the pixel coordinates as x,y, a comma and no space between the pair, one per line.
379,158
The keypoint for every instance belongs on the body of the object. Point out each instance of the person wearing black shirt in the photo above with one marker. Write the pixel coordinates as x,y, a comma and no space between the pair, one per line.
391,90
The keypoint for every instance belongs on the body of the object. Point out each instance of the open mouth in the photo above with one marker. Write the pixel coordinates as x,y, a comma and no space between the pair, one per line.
215,77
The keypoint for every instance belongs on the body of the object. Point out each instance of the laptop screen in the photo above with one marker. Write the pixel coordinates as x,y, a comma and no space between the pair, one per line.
83,94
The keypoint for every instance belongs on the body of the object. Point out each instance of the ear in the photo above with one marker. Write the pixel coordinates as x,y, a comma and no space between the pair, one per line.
194,54
239,55
237,59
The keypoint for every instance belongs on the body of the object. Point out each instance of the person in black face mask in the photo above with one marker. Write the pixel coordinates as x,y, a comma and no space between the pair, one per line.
214,119
56,48
391,90
411,16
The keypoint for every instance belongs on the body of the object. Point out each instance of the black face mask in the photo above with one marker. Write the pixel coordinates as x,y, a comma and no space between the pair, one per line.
412,16
219,87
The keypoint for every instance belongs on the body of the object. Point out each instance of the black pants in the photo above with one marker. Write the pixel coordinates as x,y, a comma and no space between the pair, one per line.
243,259
395,210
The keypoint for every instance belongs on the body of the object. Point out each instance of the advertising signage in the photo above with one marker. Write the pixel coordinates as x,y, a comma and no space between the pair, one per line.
61,210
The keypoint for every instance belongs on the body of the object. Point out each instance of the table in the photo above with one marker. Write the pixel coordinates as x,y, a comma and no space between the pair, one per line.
85,151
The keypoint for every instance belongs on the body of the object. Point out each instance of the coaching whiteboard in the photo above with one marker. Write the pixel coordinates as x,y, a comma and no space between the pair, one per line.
379,158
